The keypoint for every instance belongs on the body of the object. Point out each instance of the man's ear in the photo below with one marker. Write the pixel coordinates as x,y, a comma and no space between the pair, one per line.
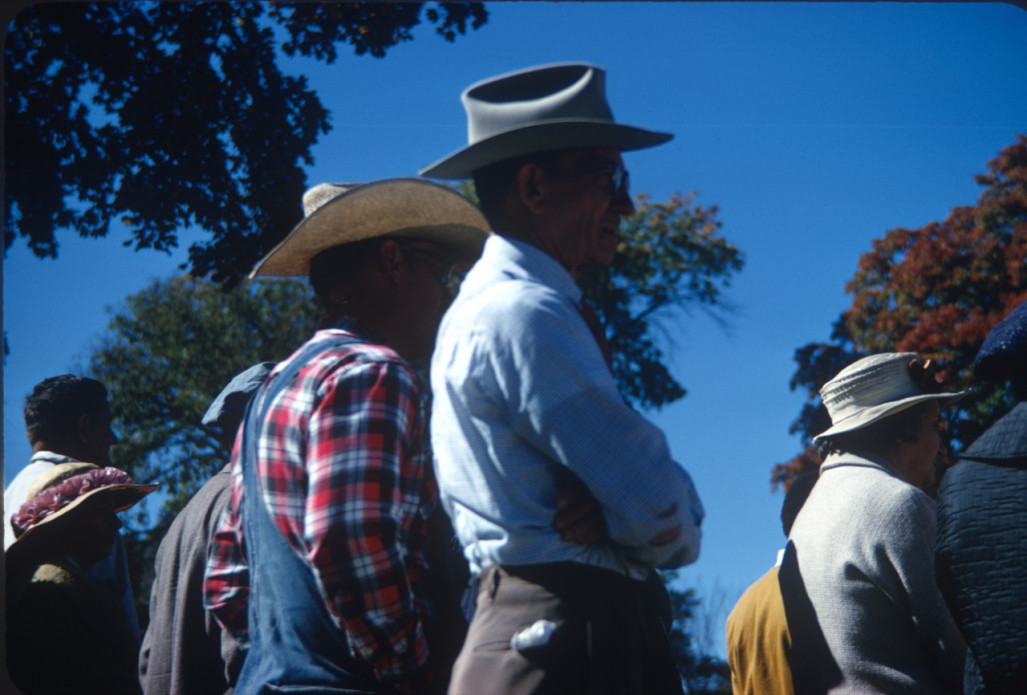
83,428
391,260
532,184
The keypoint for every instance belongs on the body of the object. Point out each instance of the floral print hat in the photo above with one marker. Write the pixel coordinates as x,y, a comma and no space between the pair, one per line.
67,487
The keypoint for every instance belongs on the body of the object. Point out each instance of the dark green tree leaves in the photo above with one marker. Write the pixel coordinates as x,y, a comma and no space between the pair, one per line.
370,27
178,118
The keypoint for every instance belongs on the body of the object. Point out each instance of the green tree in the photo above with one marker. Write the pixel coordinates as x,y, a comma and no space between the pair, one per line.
671,258
168,351
936,291
700,670
159,115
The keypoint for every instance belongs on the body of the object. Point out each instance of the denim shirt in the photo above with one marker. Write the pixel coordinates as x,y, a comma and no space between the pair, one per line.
520,391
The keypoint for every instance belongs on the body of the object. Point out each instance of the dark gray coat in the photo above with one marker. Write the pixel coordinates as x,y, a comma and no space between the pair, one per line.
982,554
184,651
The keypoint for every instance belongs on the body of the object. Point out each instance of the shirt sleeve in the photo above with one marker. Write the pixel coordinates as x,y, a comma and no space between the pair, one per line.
226,581
367,465
563,400
912,541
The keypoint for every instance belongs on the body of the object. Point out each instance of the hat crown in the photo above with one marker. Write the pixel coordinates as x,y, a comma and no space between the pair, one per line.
322,194
339,214
869,382
540,109
55,475
65,488
554,92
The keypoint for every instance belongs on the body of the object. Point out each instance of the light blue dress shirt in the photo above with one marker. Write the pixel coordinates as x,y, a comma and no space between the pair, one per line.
520,388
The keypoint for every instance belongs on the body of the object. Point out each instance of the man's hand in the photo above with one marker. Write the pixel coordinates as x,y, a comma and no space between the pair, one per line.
578,517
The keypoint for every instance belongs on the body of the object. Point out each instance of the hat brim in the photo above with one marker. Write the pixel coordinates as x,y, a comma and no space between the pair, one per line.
543,137
410,208
120,497
227,407
868,416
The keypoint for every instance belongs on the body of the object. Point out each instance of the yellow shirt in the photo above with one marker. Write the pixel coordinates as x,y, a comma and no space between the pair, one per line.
758,643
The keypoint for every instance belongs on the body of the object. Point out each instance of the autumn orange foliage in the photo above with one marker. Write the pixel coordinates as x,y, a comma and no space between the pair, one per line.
936,291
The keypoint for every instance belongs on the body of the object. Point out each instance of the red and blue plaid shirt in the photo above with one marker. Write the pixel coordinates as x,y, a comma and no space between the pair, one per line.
345,469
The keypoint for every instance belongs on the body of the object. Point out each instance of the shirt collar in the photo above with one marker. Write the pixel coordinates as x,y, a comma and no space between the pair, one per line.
350,325
837,460
51,457
522,260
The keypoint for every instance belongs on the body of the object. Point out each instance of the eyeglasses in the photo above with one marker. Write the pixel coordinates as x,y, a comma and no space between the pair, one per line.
618,177
446,268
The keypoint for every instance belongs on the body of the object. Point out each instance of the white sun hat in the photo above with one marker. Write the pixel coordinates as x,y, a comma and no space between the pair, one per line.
878,386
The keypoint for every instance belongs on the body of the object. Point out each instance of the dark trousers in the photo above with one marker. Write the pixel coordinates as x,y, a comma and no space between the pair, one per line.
607,638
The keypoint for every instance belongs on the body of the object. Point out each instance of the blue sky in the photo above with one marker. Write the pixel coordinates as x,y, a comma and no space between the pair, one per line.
814,128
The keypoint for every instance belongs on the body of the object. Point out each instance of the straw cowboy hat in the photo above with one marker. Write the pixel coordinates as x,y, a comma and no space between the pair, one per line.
69,489
878,386
549,107
336,213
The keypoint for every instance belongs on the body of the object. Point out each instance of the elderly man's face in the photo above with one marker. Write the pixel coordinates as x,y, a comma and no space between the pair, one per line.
924,451
584,207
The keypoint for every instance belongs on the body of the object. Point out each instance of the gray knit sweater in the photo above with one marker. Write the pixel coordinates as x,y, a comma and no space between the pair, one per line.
873,619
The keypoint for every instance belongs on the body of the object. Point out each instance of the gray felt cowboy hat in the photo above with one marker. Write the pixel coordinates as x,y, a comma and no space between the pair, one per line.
877,386
337,214
543,108
66,490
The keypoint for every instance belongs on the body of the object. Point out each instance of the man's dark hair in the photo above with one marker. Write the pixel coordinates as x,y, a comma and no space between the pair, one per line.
878,436
796,496
55,405
491,182
336,267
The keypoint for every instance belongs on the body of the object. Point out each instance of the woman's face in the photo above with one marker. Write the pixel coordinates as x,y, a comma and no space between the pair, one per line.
923,453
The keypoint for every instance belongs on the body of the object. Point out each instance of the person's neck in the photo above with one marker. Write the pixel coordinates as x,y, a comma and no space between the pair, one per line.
536,238
376,322
54,450
892,459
